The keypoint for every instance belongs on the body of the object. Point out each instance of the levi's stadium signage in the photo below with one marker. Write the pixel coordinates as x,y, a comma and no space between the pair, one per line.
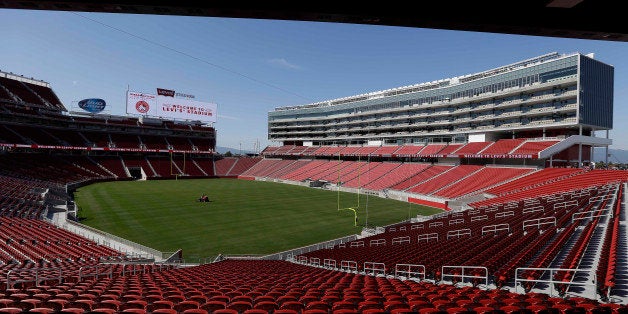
165,92
93,105
169,107
172,93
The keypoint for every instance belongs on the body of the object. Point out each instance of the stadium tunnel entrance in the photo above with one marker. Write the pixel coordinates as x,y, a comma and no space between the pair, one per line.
137,173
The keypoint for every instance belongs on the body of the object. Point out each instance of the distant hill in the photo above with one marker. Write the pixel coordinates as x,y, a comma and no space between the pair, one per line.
222,150
616,155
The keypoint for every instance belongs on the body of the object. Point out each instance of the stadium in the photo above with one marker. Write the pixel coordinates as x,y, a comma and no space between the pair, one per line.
521,220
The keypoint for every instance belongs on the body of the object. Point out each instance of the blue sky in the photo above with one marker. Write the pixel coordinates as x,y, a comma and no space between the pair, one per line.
248,66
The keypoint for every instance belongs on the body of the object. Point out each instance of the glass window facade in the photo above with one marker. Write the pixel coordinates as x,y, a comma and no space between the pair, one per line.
533,94
596,93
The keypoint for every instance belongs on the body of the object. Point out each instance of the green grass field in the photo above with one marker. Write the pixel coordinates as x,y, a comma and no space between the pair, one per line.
243,217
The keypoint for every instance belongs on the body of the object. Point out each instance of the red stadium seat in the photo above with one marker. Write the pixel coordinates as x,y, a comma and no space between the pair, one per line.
165,311
103,311
256,311
195,311
135,311
74,310
186,305
42,310
240,306
484,310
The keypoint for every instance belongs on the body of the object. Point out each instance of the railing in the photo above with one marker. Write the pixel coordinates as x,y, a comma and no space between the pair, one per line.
210,259
511,205
458,233
377,242
550,272
427,237
90,233
495,228
410,271
349,266
534,209
243,256
35,272
539,222
374,269
134,269
357,244
465,273
590,214
96,274
504,214
314,247
401,240
456,221
565,205
329,263
479,218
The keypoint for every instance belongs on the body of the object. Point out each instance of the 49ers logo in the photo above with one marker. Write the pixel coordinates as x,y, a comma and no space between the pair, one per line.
142,106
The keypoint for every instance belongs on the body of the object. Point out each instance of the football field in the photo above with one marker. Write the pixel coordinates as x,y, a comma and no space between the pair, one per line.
242,217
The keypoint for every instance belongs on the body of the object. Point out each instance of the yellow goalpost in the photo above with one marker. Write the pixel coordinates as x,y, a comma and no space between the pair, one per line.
356,207
173,172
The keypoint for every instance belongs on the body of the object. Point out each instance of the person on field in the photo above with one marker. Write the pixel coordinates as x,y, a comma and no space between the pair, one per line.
203,198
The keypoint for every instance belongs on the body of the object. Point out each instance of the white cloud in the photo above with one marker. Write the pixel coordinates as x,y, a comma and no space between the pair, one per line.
281,62
228,117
